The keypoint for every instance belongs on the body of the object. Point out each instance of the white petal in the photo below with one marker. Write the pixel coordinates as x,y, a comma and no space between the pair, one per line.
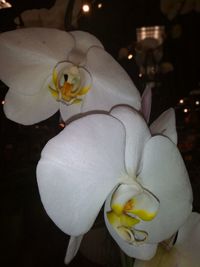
28,110
186,250
188,241
137,134
159,260
142,251
111,84
28,56
55,43
73,247
109,88
164,174
189,230
78,169
146,102
85,40
165,125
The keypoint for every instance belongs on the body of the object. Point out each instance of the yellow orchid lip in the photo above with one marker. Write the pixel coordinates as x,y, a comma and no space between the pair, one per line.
130,204
67,85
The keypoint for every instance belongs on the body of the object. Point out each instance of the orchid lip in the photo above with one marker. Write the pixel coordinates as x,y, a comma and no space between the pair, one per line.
70,83
131,204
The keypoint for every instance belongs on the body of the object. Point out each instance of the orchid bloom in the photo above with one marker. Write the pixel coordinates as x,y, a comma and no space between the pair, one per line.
185,252
53,17
48,70
116,159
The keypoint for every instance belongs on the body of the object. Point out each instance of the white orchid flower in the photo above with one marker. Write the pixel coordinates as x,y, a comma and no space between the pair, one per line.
53,17
185,252
115,158
49,70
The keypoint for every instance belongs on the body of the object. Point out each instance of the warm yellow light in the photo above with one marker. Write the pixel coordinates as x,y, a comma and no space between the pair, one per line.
3,102
181,101
140,75
100,5
197,102
155,32
86,8
62,125
130,56
185,110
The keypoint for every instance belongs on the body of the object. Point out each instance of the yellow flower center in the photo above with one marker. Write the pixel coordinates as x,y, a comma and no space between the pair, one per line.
128,206
67,87
127,212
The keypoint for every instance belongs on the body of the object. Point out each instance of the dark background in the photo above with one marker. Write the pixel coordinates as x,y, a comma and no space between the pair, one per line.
28,237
